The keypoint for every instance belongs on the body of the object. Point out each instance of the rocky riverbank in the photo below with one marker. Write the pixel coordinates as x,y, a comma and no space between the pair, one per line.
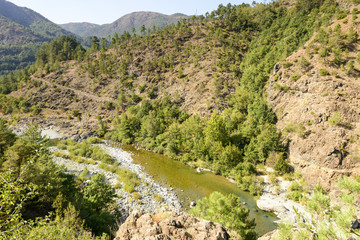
153,195
275,200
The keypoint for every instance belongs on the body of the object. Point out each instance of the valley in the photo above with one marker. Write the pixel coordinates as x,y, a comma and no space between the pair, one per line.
263,95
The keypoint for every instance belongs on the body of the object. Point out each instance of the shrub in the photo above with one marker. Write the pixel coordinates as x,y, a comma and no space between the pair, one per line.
335,119
136,195
287,64
295,77
324,72
129,187
158,198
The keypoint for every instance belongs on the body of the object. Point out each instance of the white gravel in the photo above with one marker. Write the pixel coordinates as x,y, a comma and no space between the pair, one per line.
147,188
275,200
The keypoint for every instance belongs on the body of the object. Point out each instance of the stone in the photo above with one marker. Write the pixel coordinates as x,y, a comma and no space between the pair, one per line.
170,225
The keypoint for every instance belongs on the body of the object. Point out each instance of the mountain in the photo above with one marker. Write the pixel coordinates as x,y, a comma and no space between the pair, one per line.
80,28
30,19
22,32
125,23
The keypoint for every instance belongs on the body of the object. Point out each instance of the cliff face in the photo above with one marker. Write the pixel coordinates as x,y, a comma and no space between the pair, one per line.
315,95
169,226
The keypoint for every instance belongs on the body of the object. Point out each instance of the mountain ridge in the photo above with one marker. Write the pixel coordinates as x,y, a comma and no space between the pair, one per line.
124,23
22,32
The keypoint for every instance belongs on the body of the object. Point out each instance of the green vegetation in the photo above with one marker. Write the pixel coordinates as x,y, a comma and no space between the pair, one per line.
32,186
335,119
86,150
324,72
227,210
327,221
239,130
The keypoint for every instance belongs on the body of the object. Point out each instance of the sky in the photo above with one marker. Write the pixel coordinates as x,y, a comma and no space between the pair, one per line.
107,11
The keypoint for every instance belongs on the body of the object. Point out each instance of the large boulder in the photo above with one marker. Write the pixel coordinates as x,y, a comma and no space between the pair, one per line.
169,225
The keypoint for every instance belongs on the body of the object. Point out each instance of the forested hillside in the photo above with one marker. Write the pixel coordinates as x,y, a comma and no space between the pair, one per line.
130,22
194,90
22,31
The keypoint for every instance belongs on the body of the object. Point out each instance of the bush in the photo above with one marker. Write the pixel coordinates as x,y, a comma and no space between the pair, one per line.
158,198
295,77
324,72
136,195
129,187
335,119
287,64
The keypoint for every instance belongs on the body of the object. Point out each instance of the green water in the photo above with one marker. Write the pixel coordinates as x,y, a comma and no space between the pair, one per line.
191,186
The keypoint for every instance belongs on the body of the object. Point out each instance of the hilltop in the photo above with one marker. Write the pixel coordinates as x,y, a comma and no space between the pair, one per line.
22,32
126,23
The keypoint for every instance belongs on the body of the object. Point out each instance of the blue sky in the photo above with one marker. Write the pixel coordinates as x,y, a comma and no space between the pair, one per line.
107,11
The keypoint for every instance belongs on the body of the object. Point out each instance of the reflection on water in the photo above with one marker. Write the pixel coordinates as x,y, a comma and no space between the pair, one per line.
191,185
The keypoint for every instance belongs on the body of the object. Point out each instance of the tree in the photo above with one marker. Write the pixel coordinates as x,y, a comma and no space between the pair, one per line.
95,44
308,5
143,30
227,210
215,130
7,137
99,193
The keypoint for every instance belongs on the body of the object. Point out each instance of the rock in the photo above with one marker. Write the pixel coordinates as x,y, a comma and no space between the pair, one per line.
314,100
169,225
85,135
269,235
76,138
192,204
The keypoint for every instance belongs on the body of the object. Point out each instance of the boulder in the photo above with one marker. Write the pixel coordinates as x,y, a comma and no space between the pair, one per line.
169,225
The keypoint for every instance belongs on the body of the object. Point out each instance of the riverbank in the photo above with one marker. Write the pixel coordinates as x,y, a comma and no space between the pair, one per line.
151,195
171,181
274,199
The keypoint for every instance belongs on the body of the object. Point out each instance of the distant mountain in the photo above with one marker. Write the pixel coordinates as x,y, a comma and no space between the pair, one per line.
22,32
125,23
30,19
80,28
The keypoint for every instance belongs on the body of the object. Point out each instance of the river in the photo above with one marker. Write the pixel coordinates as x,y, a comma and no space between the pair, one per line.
191,185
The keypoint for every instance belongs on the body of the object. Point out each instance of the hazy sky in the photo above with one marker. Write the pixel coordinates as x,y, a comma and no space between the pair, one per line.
107,11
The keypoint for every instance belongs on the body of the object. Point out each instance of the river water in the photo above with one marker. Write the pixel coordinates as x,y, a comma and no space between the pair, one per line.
191,185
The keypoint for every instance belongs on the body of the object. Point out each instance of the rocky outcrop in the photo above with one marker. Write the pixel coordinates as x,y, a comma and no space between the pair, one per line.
169,226
318,108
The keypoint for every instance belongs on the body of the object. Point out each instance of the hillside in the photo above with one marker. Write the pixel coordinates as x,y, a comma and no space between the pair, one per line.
126,23
204,74
22,31
314,94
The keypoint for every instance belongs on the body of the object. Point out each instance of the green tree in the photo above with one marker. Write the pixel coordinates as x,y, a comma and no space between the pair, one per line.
143,30
99,193
215,130
7,137
227,210
95,44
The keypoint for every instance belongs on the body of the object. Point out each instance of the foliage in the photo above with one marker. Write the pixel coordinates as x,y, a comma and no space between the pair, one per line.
227,210
327,221
335,118
98,192
60,49
33,186
86,150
